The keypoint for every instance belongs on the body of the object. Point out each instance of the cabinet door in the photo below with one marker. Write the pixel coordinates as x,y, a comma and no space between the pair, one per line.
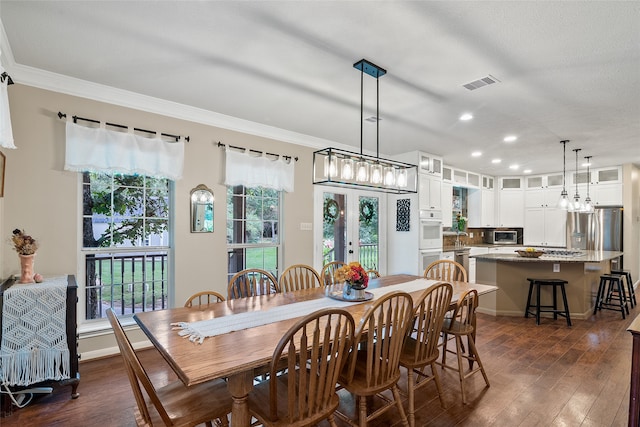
534,227
535,198
429,192
488,208
511,213
447,204
606,194
555,227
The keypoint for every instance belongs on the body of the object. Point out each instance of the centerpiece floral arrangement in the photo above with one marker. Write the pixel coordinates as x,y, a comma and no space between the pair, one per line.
353,274
23,243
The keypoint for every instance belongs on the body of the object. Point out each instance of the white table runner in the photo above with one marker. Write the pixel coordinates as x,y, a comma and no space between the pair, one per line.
198,331
34,335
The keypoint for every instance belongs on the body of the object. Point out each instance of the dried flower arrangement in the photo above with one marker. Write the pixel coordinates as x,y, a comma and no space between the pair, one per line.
23,243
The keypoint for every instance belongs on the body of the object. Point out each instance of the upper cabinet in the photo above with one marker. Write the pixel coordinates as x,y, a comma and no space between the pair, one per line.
429,192
429,164
511,183
461,177
605,185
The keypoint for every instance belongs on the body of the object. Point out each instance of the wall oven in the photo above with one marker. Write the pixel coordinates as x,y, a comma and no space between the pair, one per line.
430,230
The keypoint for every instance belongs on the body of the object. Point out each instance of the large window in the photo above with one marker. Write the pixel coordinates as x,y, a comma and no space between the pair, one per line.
125,239
253,223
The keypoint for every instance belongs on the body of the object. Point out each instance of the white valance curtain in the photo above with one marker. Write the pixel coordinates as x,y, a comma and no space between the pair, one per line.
102,150
259,171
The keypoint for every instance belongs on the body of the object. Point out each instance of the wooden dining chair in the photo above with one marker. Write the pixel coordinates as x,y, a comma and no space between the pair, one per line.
252,282
374,363
373,274
314,351
203,298
174,404
462,324
446,270
328,271
299,276
421,345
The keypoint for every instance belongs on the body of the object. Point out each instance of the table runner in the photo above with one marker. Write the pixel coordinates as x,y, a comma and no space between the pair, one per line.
198,331
34,336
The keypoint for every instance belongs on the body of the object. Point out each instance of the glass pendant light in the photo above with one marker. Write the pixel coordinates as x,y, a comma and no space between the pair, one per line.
576,205
389,176
563,203
376,174
330,166
362,171
588,205
347,169
402,178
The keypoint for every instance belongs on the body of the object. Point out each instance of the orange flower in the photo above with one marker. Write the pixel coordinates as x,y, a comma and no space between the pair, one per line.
354,274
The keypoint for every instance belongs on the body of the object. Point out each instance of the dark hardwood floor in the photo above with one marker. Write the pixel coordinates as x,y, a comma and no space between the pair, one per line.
547,375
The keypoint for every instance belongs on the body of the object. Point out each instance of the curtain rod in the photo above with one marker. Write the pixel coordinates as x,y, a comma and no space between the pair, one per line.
76,118
220,144
6,76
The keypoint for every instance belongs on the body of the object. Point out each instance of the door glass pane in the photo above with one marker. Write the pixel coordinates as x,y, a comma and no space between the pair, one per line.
368,237
334,228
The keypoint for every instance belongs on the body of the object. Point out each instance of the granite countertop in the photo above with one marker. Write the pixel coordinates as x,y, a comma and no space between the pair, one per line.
588,256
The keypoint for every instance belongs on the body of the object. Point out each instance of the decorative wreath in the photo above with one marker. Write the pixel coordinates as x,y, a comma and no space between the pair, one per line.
331,211
366,211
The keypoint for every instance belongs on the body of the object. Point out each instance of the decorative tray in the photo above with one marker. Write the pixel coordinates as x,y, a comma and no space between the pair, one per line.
530,254
338,295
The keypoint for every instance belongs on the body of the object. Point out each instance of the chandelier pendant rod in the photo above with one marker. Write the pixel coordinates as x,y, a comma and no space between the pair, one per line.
361,108
377,117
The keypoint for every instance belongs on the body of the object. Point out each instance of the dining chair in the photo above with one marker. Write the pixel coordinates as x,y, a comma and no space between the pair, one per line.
174,404
421,345
373,274
203,298
328,271
447,270
314,351
252,282
299,276
462,324
374,362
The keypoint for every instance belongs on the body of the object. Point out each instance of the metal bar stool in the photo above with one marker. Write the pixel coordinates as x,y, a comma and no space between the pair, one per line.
609,290
555,283
631,294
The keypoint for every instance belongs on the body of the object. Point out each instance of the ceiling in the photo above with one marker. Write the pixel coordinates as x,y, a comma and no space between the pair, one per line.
566,70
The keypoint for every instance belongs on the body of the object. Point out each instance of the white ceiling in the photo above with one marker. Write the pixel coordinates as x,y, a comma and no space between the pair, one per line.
567,70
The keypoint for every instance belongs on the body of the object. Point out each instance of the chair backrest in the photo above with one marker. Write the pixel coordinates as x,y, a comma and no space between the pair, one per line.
315,350
447,270
252,282
381,333
328,271
429,314
203,298
137,375
465,312
373,274
299,276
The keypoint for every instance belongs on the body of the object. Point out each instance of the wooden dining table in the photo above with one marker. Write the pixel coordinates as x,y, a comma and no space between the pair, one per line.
240,355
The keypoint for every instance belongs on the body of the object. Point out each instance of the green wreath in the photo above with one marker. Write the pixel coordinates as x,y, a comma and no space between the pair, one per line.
367,209
331,211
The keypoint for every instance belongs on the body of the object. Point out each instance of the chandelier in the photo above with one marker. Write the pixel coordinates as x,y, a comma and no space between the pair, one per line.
337,167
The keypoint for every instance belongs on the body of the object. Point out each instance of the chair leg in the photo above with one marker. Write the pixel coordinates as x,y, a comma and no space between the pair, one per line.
436,379
460,369
332,421
396,396
444,348
411,384
362,419
472,345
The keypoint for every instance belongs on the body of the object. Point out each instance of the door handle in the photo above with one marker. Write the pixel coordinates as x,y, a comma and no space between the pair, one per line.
350,251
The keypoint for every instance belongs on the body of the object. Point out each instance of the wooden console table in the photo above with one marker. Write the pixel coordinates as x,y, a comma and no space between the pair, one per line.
72,342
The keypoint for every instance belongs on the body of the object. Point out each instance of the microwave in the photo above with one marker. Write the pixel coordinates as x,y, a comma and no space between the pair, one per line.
503,237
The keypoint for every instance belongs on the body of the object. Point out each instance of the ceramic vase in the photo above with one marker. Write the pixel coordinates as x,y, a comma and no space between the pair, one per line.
26,268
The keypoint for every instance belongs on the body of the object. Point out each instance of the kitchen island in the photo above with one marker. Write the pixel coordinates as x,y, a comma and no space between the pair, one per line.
509,272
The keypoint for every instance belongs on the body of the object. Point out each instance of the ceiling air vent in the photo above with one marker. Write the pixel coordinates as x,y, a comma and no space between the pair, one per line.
485,81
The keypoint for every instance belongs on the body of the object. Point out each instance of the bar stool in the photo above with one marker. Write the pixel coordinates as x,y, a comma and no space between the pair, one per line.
611,289
555,283
631,294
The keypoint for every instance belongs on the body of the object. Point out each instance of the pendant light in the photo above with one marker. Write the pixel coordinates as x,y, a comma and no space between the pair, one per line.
563,203
341,168
576,205
588,205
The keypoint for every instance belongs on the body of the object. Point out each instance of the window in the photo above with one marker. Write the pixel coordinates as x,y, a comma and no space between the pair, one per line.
125,239
253,222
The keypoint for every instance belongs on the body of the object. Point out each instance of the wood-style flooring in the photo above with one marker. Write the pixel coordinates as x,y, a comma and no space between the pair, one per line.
546,375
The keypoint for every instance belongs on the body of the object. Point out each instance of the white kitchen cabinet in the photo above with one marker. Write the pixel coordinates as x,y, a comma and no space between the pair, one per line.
472,261
449,255
487,182
605,186
545,226
461,178
606,194
447,204
511,183
429,192
481,208
510,208
427,163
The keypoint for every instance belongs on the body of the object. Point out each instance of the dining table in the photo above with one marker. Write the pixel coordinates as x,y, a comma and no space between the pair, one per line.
239,354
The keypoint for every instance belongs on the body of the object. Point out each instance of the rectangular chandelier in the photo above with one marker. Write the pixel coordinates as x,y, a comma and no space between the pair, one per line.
341,168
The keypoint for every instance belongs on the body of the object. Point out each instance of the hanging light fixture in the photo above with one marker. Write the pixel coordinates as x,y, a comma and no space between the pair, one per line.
337,167
576,205
563,203
588,205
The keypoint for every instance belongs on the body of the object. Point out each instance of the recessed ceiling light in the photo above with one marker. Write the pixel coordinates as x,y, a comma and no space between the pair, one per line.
510,138
496,161
476,153
466,116
527,171
514,167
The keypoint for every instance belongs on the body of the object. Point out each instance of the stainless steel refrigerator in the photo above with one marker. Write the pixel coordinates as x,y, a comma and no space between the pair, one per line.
597,231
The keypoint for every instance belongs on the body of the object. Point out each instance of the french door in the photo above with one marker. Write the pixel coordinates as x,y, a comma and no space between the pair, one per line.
350,227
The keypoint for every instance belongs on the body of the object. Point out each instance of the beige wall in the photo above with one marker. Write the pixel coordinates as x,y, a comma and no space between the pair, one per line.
631,221
43,199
